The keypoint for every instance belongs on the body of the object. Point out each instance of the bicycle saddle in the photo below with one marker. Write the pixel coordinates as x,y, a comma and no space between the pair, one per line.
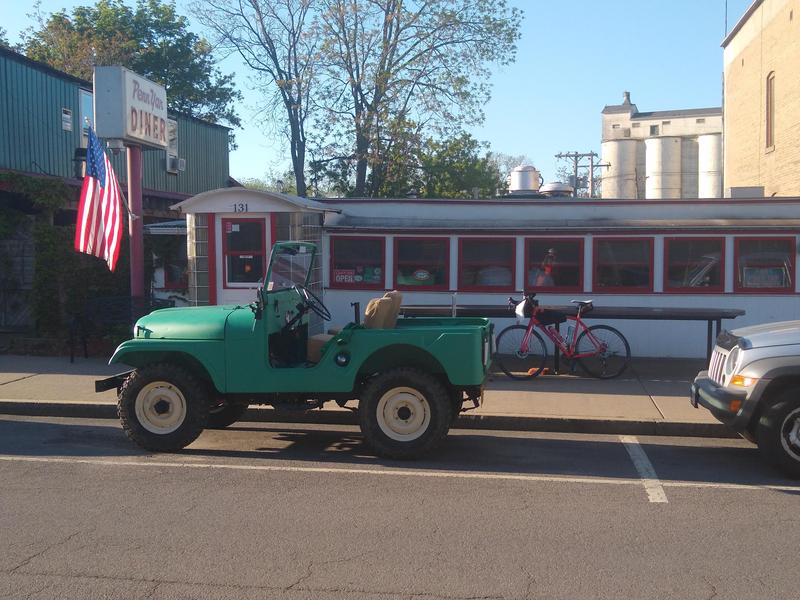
583,305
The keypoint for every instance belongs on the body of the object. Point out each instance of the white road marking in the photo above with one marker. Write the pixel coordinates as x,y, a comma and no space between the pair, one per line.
397,473
653,487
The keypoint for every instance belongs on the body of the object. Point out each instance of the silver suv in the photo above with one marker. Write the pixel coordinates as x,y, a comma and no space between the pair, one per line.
753,386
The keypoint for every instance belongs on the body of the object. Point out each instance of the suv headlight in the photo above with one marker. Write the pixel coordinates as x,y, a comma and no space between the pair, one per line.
732,360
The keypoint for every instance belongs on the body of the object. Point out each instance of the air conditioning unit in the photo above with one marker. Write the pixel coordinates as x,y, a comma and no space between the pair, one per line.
175,164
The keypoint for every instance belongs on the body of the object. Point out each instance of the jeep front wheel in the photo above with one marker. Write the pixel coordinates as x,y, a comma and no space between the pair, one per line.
404,413
778,433
163,407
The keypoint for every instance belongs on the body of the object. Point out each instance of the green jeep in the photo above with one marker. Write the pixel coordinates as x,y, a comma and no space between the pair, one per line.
199,367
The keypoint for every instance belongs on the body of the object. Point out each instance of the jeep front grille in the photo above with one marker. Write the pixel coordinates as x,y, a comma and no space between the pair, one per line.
717,365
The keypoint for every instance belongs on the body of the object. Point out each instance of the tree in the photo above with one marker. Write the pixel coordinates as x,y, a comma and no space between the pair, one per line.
391,61
275,38
150,39
3,38
455,168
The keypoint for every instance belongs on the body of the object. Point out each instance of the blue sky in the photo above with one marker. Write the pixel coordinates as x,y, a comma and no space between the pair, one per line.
573,58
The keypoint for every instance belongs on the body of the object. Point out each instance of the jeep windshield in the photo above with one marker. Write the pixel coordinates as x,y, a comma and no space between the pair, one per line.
289,265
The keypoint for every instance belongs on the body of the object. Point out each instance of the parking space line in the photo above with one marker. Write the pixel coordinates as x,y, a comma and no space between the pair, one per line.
465,475
652,485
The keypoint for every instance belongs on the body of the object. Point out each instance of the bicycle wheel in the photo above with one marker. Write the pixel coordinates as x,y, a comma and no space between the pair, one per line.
515,363
610,359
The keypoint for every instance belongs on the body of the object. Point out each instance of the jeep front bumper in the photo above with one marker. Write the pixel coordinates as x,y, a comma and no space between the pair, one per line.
725,404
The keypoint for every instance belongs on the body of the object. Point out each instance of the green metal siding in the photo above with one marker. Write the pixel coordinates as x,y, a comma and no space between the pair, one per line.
31,137
32,140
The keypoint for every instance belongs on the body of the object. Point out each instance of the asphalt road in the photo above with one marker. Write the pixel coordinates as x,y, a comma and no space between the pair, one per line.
292,512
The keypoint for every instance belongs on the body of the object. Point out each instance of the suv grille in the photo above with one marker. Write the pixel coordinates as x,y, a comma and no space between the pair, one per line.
717,364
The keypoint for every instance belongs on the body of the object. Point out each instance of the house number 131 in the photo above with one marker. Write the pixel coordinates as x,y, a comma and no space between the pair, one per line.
240,207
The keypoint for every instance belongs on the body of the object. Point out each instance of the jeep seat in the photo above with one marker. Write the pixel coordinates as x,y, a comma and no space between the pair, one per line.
315,345
379,313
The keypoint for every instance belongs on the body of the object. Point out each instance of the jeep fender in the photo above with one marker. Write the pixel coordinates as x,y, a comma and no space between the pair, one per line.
206,359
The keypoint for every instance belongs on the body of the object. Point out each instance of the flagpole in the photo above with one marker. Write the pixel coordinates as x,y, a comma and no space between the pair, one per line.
134,220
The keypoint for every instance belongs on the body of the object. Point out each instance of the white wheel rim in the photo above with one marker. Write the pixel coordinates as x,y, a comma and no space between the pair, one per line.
403,414
160,407
790,434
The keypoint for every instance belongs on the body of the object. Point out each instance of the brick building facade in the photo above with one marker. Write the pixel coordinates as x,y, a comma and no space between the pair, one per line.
762,100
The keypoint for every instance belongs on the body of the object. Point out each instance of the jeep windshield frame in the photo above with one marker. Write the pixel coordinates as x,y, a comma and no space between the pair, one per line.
290,264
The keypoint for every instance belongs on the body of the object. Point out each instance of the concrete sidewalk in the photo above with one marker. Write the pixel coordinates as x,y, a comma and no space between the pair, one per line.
651,398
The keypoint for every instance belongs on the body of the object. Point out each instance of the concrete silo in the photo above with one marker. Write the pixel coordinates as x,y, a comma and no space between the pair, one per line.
709,165
619,178
663,167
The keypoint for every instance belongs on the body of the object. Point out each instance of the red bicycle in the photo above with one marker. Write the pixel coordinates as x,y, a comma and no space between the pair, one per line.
521,353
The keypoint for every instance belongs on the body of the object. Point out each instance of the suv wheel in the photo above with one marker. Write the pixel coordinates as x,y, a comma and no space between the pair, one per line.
778,432
163,407
404,413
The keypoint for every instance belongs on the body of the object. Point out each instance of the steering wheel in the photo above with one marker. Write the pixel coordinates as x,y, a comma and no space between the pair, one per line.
312,302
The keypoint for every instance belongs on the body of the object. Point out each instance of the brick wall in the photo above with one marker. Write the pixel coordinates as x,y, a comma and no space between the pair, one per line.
769,41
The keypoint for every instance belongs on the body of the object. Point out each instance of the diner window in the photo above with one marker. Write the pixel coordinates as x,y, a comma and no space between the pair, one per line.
694,265
357,262
422,263
623,265
486,264
764,264
770,111
244,250
553,264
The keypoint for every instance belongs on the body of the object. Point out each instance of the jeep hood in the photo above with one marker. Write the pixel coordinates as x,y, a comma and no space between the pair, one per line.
186,323
771,334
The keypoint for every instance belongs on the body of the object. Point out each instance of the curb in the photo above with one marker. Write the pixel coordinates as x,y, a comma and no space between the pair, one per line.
86,410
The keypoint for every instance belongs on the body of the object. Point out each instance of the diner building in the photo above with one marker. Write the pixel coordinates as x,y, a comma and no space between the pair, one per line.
720,253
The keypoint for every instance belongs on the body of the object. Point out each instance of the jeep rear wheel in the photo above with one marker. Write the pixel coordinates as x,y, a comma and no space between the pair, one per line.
163,407
404,413
778,433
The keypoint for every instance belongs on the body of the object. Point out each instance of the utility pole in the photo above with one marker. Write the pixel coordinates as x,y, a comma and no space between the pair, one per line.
576,158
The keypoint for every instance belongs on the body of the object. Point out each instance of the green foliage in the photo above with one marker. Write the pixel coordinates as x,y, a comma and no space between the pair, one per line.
284,184
46,194
65,279
455,168
150,39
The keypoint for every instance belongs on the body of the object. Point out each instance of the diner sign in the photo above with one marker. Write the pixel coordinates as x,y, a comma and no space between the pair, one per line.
130,107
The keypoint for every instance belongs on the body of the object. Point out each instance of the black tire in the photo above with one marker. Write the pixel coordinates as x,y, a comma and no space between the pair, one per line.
456,403
184,400
515,364
225,414
777,433
607,365
410,423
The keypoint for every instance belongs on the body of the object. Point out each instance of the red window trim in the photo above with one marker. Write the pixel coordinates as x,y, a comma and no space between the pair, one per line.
737,288
623,289
487,288
555,288
423,288
211,234
719,289
356,286
223,222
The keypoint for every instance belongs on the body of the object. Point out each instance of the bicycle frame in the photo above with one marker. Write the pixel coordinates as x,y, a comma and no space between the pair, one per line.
568,351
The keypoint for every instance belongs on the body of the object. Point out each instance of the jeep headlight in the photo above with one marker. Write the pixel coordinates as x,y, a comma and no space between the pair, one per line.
732,360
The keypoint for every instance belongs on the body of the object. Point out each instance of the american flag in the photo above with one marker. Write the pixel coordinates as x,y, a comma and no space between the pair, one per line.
99,228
